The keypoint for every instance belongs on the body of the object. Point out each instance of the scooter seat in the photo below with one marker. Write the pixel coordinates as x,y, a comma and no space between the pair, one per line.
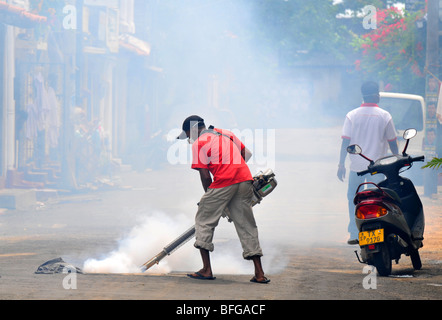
371,192
391,193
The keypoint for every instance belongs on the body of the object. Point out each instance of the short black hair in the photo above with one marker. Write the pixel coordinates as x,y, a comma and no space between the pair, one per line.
192,121
369,88
189,123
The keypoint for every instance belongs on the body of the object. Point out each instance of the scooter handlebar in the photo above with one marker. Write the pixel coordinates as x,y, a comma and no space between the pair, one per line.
420,158
361,173
408,160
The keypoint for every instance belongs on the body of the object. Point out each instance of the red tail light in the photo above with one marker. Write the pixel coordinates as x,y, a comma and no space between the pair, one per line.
370,210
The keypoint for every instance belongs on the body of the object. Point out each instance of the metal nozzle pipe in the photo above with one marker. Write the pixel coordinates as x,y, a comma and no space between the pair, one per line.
186,236
153,261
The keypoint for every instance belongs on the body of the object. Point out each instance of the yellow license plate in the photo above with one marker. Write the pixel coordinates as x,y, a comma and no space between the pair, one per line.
370,237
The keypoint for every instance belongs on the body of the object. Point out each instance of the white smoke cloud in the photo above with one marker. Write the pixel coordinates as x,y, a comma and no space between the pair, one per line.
144,241
157,230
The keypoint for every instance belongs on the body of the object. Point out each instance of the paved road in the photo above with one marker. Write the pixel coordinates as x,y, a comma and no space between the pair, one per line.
302,228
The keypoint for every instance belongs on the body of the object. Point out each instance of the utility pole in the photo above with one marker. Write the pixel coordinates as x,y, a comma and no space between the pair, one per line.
432,64
431,90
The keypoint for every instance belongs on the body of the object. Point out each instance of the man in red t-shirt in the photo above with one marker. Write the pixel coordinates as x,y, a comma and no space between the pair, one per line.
219,153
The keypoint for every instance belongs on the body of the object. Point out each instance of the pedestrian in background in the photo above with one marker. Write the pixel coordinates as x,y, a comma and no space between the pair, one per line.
371,128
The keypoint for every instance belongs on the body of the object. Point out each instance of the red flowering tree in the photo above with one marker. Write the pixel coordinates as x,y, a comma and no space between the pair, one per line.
393,52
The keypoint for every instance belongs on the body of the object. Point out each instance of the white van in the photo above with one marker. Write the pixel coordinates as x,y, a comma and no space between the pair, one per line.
408,111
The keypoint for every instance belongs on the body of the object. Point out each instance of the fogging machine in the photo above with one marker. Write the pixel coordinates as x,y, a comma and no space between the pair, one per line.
263,184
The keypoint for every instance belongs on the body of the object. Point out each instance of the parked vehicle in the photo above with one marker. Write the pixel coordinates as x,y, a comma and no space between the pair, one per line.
389,215
407,111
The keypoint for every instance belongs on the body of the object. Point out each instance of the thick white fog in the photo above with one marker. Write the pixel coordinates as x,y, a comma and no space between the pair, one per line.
214,67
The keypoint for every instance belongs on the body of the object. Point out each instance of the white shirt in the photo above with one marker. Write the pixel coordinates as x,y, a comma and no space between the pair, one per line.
371,128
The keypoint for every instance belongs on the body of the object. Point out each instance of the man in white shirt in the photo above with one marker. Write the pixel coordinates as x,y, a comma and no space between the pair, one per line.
372,128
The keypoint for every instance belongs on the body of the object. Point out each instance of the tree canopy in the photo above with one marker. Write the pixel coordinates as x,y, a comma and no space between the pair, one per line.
393,52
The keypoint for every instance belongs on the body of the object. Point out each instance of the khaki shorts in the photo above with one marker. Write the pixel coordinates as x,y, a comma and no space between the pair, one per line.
235,201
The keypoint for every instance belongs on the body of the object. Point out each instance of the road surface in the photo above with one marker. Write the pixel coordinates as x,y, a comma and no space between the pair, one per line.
302,231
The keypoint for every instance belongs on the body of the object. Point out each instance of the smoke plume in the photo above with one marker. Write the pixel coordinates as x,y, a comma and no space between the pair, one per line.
156,230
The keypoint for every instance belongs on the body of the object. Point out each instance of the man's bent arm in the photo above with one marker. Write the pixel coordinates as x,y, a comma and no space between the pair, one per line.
246,154
206,179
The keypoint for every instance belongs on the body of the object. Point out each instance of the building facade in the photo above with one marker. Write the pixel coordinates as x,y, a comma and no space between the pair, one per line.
66,91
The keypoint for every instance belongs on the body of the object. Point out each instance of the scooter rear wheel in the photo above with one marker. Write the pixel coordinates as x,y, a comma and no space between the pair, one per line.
382,261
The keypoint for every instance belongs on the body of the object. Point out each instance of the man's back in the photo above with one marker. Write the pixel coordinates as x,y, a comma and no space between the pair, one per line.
372,128
219,151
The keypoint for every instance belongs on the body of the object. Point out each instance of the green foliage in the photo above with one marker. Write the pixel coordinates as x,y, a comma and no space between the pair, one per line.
394,51
297,28
435,163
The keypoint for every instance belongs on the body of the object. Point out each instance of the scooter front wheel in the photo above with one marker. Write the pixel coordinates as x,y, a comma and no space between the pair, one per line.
382,261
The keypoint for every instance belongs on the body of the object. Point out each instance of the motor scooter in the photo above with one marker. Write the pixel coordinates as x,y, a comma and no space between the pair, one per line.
389,215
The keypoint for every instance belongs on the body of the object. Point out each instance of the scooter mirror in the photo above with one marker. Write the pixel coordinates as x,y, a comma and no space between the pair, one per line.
410,133
354,149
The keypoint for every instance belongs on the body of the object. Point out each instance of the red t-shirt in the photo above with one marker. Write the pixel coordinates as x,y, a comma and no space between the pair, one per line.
221,155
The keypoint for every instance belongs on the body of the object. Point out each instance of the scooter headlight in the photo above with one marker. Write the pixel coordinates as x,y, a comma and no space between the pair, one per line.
370,210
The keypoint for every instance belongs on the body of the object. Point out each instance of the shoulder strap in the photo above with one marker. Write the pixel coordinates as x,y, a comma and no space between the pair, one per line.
212,130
